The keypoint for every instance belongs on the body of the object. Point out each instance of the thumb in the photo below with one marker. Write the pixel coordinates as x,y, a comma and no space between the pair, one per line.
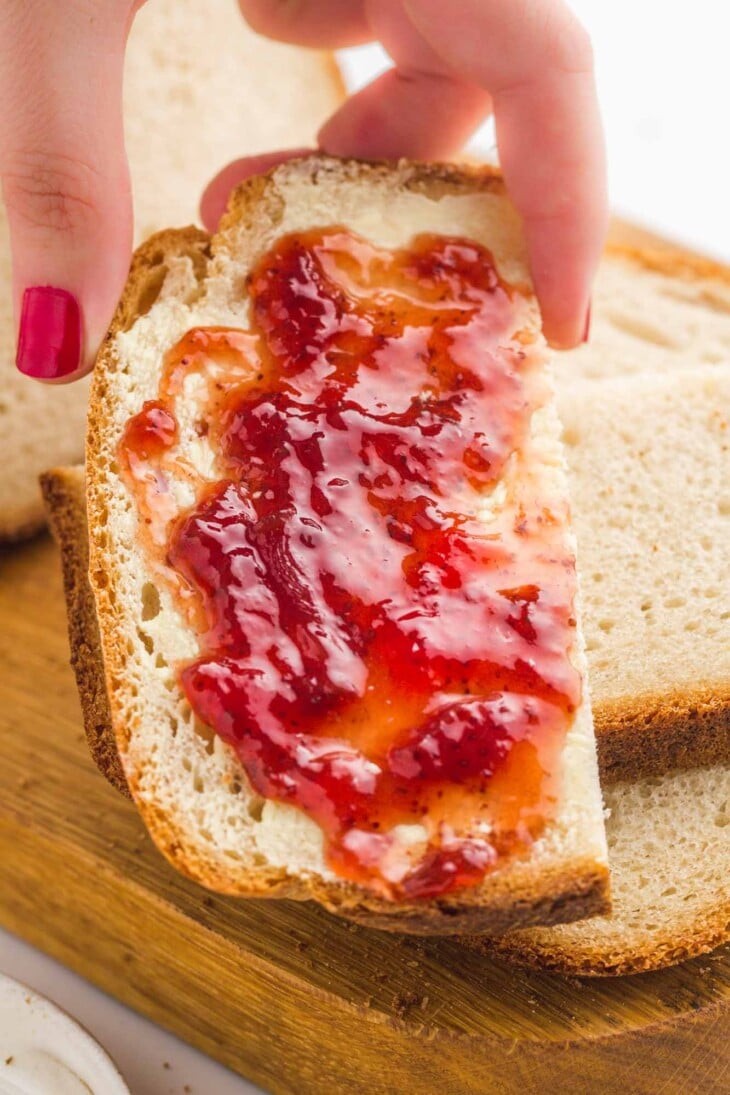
64,176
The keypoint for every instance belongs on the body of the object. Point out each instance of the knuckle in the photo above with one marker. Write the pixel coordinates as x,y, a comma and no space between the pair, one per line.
50,193
569,48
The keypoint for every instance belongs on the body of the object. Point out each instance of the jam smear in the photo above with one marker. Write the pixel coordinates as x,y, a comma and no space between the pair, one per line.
385,642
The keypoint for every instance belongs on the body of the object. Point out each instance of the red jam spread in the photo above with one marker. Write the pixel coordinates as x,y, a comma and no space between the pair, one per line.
380,649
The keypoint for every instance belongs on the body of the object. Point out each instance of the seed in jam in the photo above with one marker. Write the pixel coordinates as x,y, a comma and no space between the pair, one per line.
383,642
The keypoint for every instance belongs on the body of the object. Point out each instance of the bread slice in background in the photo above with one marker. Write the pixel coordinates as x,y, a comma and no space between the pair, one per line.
668,836
194,795
200,89
649,458
669,853
653,312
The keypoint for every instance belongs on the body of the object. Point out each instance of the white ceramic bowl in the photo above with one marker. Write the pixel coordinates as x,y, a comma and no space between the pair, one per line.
43,1051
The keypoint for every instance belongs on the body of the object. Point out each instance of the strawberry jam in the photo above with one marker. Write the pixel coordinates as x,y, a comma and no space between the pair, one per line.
383,598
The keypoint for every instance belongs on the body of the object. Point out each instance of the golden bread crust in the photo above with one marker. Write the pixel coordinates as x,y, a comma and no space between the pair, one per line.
64,495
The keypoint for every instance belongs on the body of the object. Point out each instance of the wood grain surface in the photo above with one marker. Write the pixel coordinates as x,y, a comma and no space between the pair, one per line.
288,996
296,1000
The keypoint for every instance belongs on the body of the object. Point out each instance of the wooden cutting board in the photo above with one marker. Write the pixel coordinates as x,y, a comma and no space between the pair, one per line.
283,993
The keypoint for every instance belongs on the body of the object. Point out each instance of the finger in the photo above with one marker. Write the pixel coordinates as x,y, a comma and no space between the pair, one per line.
327,24
406,113
64,177
215,197
419,109
557,181
537,62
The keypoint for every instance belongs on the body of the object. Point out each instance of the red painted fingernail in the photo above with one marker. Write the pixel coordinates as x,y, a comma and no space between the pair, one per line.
587,328
49,339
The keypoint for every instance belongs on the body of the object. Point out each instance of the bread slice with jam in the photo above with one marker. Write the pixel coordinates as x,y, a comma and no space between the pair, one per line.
331,557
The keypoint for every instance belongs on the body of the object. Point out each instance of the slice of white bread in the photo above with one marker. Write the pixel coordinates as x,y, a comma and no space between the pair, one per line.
200,89
193,793
649,458
669,852
668,836
653,312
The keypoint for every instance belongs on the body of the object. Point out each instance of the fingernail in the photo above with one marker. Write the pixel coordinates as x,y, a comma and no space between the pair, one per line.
49,337
587,328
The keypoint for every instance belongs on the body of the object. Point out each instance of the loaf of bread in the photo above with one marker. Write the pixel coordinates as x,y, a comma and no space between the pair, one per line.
183,61
192,790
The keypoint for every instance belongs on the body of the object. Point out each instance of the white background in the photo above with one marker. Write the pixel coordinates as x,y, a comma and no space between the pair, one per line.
663,71
663,80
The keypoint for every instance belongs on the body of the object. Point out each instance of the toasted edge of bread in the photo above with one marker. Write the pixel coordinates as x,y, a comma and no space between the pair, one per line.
64,495
574,961
672,262
657,732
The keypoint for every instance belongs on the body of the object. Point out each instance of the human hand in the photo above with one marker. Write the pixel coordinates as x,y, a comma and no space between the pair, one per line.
65,178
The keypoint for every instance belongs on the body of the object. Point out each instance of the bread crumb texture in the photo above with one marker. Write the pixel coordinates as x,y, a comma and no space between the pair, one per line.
668,850
654,314
650,483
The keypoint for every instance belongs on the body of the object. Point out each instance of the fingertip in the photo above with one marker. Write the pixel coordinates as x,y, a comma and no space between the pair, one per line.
564,254
214,200
568,334
49,335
